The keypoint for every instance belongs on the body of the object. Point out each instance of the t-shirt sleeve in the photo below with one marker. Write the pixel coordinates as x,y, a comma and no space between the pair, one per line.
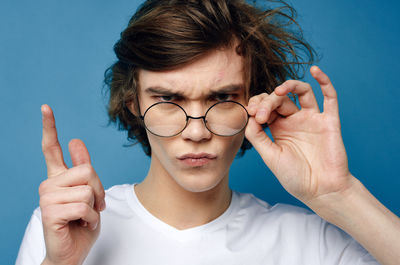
337,247
32,250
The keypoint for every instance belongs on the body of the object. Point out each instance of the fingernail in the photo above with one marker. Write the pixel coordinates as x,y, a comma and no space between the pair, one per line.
43,107
102,206
94,227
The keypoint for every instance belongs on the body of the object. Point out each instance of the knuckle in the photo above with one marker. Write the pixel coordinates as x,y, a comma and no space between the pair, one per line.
87,189
257,98
82,209
287,83
43,187
45,144
44,200
267,110
265,105
49,148
251,101
86,171
328,80
307,86
87,193
291,82
265,100
47,213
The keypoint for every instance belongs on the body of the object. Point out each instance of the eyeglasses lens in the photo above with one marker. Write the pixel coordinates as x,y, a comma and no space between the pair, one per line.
165,119
168,119
226,118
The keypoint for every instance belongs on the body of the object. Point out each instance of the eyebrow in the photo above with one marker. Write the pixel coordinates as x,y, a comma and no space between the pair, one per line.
161,90
220,90
228,89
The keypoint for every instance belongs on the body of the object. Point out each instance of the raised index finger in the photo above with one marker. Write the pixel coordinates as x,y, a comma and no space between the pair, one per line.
50,146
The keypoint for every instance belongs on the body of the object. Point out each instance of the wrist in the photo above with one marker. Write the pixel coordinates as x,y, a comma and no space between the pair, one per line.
336,207
362,216
46,261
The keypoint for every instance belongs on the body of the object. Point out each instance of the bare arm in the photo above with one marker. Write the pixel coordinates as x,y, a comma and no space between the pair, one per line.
361,215
309,159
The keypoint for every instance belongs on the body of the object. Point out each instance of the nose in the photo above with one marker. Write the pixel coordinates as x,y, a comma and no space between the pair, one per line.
196,130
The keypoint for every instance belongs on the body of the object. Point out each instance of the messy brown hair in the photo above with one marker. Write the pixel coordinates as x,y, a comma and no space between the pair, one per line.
167,34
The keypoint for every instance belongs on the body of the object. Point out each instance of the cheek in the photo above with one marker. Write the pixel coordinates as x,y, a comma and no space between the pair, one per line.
232,146
159,145
162,149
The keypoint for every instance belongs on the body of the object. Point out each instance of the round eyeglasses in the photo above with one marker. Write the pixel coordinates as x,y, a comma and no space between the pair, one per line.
167,119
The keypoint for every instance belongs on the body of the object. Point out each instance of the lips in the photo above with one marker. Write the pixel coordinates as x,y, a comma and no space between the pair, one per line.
196,160
197,156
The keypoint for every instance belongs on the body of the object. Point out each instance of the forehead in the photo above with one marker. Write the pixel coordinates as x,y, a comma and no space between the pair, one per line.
215,69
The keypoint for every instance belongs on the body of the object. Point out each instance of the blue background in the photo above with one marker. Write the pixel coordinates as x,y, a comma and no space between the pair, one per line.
55,52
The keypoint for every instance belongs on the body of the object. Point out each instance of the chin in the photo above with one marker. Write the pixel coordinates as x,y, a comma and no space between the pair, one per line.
197,183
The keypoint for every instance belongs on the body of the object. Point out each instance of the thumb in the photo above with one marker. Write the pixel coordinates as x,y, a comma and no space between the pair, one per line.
79,153
261,141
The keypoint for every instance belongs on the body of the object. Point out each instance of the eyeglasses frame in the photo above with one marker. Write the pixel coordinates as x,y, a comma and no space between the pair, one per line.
194,118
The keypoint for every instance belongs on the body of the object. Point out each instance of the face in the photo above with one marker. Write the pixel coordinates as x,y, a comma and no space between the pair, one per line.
196,159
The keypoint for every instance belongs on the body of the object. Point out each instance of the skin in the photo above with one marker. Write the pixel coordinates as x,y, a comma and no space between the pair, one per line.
171,191
307,157
70,199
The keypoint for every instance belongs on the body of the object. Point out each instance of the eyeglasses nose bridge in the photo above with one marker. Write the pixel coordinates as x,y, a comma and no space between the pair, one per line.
196,118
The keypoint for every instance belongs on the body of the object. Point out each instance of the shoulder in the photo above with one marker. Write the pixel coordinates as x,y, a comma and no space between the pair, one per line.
118,192
288,217
118,201
303,233
278,229
251,203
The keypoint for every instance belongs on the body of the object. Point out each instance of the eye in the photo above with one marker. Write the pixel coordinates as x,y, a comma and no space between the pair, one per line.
224,97
165,98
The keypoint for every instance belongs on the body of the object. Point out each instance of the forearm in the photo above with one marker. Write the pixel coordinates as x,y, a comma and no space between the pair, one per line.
362,216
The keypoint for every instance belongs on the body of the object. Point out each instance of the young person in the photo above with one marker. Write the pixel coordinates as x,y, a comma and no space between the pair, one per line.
196,81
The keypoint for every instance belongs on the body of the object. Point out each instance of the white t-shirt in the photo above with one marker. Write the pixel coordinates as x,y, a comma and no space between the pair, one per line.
249,232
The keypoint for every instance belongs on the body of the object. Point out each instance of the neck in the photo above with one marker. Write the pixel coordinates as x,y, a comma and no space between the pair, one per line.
164,198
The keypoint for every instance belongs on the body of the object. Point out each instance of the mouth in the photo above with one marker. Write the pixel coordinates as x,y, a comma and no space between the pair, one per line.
196,160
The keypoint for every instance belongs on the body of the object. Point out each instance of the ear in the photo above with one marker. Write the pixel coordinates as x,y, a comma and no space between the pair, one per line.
131,106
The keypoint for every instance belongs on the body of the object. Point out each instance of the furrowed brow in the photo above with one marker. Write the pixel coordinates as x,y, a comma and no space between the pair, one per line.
161,91
220,90
228,89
